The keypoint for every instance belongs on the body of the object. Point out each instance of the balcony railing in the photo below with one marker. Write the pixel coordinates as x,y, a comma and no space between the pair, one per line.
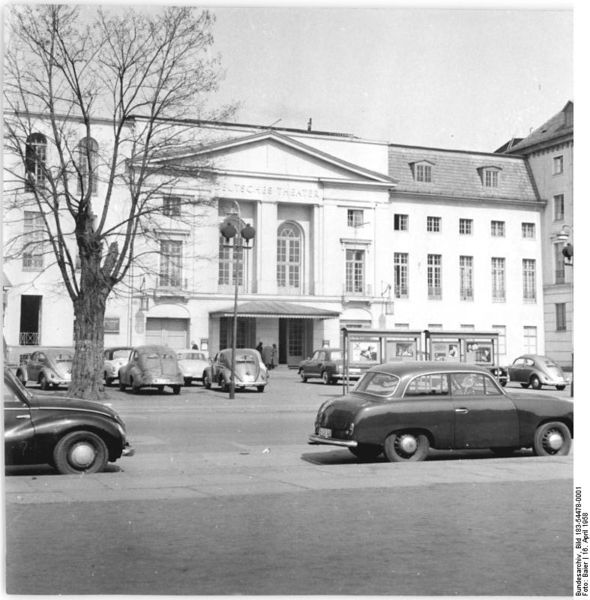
29,338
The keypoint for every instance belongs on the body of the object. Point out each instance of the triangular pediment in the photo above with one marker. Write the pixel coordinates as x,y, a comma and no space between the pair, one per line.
272,154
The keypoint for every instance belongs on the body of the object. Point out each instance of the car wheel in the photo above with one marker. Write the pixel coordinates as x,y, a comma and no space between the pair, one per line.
187,381
366,451
80,452
108,381
206,381
302,375
122,386
503,451
560,388
524,385
536,383
176,389
260,388
327,380
134,388
43,382
405,446
21,377
223,384
552,439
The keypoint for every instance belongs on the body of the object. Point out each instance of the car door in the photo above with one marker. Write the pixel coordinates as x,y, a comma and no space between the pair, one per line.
315,366
484,416
19,432
34,365
515,371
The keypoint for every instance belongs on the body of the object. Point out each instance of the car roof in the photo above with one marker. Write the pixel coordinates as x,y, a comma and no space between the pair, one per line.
229,350
153,348
428,366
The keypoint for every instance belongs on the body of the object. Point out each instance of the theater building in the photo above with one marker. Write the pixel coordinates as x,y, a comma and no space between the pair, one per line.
348,232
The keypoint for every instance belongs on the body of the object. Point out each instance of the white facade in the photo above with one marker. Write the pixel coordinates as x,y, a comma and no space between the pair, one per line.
324,209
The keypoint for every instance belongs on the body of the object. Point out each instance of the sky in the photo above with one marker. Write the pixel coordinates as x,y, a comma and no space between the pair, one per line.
460,78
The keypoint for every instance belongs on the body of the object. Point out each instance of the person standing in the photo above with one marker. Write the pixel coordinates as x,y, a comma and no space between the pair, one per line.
274,356
267,356
259,347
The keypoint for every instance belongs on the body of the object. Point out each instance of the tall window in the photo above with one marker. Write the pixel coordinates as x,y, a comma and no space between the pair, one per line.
87,164
528,231
289,257
170,263
434,276
529,280
558,207
171,206
433,224
35,159
33,241
354,217
490,178
424,173
498,279
557,165
465,226
400,222
231,264
400,274
530,340
355,271
466,277
560,319
498,228
559,262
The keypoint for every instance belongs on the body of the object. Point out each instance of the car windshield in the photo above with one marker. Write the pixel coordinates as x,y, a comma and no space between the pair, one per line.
123,353
191,356
380,384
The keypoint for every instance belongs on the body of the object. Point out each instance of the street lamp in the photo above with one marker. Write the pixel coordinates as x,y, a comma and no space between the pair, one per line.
239,243
568,248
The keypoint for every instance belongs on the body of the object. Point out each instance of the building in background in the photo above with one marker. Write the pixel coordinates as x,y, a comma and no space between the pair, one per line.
549,153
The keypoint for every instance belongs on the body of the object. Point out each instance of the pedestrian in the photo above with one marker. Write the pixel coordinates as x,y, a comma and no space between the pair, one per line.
274,356
267,356
259,348
195,346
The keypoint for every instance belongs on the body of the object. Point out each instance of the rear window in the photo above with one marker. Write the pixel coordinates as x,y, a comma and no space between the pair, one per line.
380,384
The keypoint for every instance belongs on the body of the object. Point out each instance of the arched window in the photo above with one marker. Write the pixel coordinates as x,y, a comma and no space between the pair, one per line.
35,159
87,163
289,258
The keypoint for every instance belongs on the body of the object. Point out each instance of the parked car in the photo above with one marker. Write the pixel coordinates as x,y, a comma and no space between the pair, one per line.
114,359
151,366
249,370
403,409
49,367
536,371
71,435
192,364
328,365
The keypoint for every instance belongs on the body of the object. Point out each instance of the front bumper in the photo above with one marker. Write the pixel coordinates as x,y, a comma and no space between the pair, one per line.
128,450
315,439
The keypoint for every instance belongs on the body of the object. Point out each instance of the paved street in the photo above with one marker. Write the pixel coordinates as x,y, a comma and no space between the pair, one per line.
225,497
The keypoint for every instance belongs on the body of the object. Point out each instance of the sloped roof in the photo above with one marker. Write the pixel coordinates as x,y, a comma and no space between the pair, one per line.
559,126
457,173
272,309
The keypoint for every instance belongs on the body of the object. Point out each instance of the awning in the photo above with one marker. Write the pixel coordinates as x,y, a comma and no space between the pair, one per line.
267,309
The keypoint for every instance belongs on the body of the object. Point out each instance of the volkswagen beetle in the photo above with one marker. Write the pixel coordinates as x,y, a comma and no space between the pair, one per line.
403,409
72,435
536,371
151,366
49,367
249,370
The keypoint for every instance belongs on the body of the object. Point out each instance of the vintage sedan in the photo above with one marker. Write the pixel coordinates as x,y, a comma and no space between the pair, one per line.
49,367
151,366
403,409
328,365
192,364
114,359
74,436
536,371
249,370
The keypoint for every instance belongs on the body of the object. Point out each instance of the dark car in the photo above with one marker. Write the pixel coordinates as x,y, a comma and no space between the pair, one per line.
72,435
49,367
536,371
403,409
249,370
151,366
328,365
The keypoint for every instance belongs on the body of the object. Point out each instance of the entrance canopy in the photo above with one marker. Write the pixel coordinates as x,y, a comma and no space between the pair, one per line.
269,309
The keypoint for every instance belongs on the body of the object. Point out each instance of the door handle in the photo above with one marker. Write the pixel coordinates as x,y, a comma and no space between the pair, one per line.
462,410
23,416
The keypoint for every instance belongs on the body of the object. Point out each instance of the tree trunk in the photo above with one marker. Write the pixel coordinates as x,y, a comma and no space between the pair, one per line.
87,368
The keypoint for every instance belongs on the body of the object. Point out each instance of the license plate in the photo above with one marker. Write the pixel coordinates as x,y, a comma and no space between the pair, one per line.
325,433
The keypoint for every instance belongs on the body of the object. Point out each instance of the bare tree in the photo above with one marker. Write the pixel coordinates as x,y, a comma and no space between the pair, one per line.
141,75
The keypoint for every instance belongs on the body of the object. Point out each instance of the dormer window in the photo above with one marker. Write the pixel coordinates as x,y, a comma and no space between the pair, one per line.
422,171
489,176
